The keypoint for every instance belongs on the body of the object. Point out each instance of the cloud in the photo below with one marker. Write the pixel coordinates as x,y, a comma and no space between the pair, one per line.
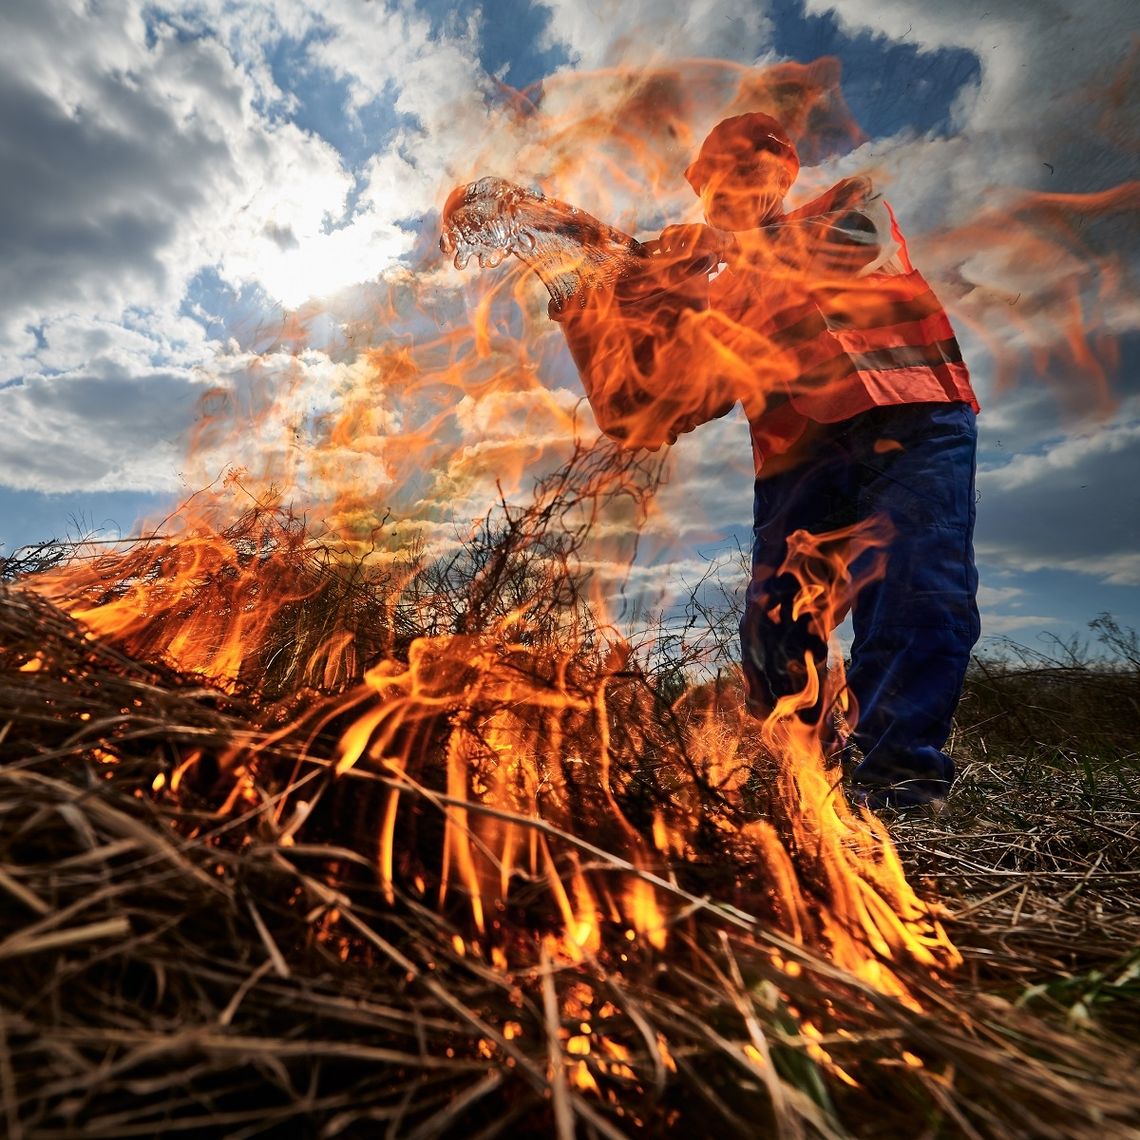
1001,625
88,208
134,156
1001,610
1073,506
85,411
649,31
1048,114
106,406
150,148
139,150
1046,71
1066,459
989,596
1024,214
145,145
709,490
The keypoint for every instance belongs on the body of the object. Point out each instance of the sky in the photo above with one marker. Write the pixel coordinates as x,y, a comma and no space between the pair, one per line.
218,226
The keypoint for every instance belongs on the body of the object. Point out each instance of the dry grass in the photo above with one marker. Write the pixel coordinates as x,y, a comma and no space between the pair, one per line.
172,968
227,961
1037,855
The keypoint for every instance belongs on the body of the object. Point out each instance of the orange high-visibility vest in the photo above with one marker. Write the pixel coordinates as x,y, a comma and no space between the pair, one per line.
836,319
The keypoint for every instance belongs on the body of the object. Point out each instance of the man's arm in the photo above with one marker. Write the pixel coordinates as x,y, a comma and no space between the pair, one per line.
639,349
624,307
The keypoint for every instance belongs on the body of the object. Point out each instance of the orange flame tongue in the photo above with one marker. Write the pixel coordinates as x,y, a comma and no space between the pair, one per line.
537,759
542,753
215,602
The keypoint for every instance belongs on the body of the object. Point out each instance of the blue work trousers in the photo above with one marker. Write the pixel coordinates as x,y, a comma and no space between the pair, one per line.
915,625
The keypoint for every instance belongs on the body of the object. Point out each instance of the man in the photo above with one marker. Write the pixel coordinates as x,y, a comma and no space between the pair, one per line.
860,408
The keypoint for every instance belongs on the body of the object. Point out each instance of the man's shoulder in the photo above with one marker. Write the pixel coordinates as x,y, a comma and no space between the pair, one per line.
852,230
850,194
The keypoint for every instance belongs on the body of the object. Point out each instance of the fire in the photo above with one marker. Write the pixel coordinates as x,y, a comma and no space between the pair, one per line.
521,717
516,726
200,600
512,751
1046,297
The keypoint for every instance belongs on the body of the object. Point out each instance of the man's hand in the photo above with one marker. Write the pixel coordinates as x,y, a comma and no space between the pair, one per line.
684,243
683,252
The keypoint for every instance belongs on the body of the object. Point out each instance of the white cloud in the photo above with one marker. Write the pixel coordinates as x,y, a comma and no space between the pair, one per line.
709,491
138,153
106,407
636,32
1074,506
1064,459
130,165
999,625
74,342
1002,613
1036,61
990,596
58,431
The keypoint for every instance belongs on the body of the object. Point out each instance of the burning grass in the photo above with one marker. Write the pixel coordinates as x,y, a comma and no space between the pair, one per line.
314,895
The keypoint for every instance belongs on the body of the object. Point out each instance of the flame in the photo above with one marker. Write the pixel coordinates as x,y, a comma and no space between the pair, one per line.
513,719
203,601
1034,289
517,714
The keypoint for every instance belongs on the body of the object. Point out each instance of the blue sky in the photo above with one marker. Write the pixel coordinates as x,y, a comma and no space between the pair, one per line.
182,178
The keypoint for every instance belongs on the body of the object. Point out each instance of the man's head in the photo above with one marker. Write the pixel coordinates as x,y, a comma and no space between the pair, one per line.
743,171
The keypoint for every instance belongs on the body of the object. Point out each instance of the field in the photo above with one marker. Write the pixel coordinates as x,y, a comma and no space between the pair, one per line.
217,922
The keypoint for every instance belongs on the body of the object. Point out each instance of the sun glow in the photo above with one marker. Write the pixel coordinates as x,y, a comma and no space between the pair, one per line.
315,238
321,264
